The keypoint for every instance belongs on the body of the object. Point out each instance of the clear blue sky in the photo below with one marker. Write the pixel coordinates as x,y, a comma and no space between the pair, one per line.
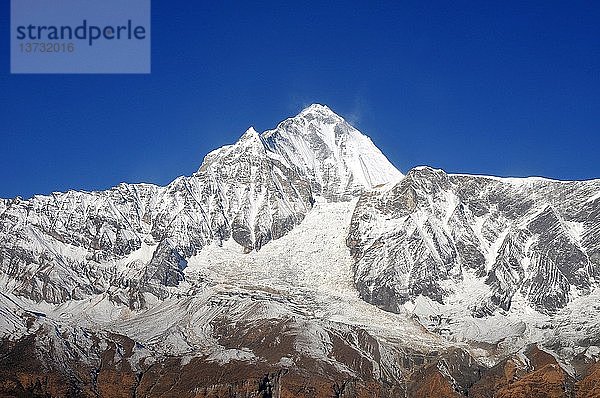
497,88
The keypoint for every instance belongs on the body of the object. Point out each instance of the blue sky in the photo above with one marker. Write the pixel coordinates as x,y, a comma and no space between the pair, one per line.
503,88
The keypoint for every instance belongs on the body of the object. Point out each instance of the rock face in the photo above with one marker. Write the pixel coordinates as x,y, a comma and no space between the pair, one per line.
430,231
300,263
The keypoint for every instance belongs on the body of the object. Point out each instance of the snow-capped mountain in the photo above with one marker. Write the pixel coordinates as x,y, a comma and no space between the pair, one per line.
299,263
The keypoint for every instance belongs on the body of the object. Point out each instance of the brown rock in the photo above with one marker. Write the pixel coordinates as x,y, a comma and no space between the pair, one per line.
589,386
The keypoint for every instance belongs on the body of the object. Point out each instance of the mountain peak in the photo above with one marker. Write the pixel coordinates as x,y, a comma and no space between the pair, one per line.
317,113
249,142
317,108
339,160
251,135
251,131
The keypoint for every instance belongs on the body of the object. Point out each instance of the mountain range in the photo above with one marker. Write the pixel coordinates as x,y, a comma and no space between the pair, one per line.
299,262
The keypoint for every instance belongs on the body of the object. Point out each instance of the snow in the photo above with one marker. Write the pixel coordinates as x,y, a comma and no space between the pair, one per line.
574,229
232,354
493,249
432,215
306,273
594,197
516,181
592,352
